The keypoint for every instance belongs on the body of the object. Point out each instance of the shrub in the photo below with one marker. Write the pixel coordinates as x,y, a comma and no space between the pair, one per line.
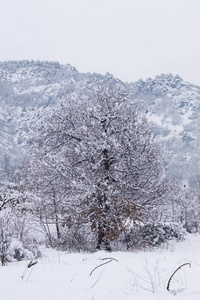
153,235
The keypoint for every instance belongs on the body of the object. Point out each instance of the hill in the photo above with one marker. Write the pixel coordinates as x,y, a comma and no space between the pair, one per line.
172,106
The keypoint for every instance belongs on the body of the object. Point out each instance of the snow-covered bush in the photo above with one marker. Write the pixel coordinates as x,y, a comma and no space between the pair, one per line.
17,250
152,235
75,239
15,240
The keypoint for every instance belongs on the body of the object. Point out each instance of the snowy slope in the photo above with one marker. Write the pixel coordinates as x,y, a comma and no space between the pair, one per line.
173,107
142,275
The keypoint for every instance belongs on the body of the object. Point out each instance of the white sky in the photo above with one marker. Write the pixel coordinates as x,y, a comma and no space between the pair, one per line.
131,39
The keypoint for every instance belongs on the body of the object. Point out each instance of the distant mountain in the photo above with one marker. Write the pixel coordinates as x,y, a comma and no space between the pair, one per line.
173,106
170,104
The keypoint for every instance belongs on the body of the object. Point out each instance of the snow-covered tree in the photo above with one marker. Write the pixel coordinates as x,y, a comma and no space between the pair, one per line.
15,222
95,161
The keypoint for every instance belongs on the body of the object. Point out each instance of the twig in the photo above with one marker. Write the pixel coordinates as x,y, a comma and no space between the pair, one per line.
175,272
96,280
29,274
73,277
100,266
110,259
32,263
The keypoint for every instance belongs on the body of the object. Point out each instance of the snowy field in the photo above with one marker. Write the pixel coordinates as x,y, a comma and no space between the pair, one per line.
138,275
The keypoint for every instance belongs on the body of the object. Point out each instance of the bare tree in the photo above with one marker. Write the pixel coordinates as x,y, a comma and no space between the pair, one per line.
96,160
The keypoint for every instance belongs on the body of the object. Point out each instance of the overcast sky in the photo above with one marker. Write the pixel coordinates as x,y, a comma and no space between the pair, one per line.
131,39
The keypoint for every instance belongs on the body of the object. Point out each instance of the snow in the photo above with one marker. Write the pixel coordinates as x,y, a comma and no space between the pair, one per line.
136,275
167,123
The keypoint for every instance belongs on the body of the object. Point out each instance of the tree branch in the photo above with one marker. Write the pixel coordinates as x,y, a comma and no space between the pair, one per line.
175,272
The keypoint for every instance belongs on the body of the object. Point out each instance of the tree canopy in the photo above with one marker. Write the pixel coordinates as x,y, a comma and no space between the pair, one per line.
95,164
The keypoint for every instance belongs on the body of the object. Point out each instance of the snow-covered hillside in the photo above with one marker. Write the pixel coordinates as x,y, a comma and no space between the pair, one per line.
170,104
83,276
173,107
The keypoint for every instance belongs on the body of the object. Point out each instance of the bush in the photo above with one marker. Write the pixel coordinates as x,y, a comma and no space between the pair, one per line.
16,242
153,235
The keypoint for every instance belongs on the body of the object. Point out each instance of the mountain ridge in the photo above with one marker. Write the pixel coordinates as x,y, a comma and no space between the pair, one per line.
169,103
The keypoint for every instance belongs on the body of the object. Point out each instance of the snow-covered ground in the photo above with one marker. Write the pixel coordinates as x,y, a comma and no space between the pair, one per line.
137,275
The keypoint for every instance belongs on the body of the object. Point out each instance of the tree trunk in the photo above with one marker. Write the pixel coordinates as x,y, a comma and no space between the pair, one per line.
56,215
102,241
